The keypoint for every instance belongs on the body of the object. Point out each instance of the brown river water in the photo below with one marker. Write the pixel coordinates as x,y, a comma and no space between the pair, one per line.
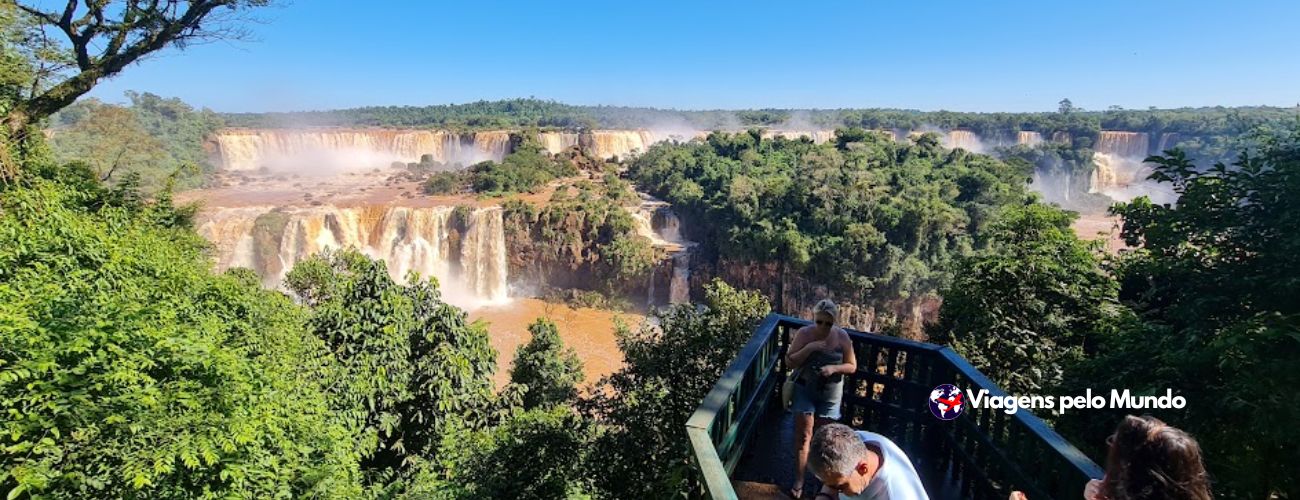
588,331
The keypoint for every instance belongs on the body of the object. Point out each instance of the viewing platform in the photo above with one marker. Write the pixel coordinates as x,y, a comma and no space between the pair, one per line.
742,438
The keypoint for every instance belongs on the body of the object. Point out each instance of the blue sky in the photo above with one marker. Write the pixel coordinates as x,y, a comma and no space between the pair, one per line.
939,54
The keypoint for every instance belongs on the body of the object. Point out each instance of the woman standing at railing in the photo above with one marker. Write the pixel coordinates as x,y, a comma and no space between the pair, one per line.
1149,460
820,355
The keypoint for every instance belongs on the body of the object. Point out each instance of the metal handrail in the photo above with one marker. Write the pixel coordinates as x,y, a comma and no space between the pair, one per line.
720,427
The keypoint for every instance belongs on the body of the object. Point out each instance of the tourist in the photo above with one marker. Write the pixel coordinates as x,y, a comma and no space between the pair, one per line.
1149,460
861,465
820,355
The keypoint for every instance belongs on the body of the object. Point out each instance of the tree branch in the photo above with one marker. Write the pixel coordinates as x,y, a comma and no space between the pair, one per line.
146,26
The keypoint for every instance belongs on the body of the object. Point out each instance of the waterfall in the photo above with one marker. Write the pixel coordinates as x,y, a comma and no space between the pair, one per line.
1123,179
329,150
1062,137
1105,173
406,239
1123,144
557,142
1025,138
964,139
817,136
656,220
620,143
1167,141
483,255
679,290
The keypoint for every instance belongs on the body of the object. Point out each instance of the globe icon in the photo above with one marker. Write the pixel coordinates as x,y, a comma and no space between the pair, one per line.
946,402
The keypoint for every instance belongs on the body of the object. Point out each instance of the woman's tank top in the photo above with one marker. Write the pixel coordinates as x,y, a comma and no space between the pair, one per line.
810,378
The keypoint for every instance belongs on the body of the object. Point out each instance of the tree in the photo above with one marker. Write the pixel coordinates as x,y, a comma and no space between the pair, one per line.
111,138
1065,107
1028,306
411,362
534,454
547,371
643,407
103,38
128,369
1213,283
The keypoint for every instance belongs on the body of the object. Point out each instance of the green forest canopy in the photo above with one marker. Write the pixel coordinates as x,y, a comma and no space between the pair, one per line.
516,113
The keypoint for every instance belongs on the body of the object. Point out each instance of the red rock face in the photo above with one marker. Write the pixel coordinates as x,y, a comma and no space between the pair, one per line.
795,295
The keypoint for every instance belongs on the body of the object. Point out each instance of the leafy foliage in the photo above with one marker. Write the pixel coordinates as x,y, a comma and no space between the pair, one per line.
525,169
1213,284
445,183
872,219
410,363
535,454
643,408
129,369
154,137
586,241
546,370
1025,308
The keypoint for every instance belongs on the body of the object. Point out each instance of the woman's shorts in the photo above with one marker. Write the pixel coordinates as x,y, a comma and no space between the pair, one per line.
822,403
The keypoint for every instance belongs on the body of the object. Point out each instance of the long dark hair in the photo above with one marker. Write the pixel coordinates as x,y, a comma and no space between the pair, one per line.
1149,460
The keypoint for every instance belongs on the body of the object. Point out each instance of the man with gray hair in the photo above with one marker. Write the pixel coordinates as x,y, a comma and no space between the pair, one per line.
861,465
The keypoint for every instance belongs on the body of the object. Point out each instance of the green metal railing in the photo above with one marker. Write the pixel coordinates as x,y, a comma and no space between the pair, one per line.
984,453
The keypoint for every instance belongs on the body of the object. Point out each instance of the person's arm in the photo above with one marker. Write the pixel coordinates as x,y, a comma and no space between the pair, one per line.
850,363
827,493
800,348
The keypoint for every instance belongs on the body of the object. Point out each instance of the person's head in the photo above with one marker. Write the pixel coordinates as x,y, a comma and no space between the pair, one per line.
824,314
839,458
1151,460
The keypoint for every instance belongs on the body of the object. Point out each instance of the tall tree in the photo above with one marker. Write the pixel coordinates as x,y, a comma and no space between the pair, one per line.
644,406
412,363
547,370
110,139
73,48
1025,308
1214,281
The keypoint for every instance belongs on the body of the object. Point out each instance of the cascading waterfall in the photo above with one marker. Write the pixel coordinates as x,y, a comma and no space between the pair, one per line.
1123,144
964,139
1124,178
1119,171
557,142
679,289
1026,138
407,239
1167,141
817,136
483,255
330,150
656,220
620,143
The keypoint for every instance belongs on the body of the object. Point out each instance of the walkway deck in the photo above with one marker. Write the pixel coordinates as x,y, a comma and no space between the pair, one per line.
766,469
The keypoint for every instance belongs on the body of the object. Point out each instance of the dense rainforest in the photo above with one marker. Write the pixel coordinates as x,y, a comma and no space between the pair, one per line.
129,368
875,221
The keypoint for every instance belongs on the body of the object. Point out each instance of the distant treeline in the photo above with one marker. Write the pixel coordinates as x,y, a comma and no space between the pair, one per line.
515,113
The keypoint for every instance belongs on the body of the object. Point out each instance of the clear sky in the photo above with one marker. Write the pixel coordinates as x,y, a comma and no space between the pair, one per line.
940,54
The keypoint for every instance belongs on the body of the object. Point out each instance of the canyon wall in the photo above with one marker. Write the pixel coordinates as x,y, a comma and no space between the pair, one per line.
795,295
